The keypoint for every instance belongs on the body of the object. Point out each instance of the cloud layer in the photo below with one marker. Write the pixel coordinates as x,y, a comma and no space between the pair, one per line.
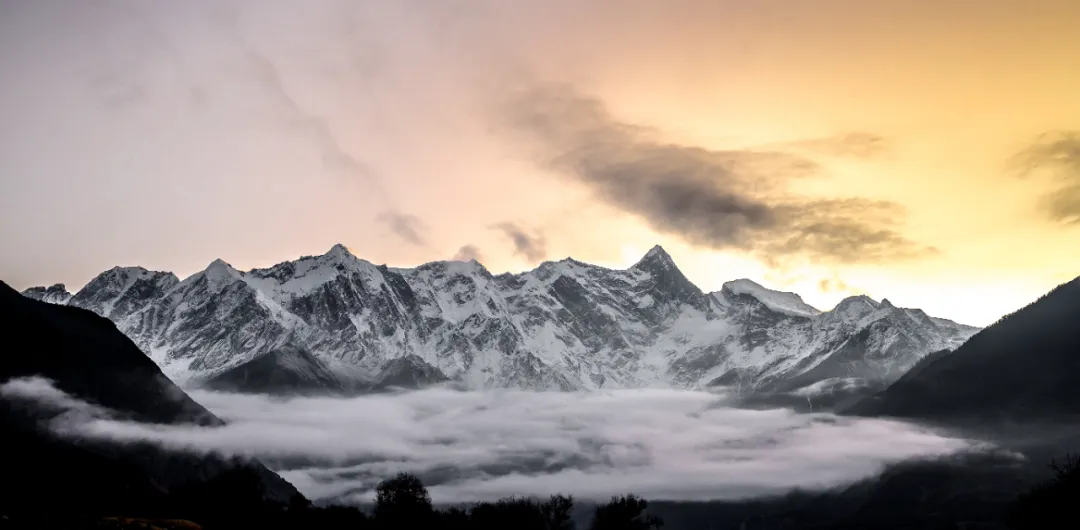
469,446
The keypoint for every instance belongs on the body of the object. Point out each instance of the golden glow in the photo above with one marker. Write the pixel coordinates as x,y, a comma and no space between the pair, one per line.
956,87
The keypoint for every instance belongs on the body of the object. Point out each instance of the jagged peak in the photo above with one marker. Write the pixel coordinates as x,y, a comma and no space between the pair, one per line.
56,293
655,257
219,271
339,251
120,276
859,298
126,271
855,303
219,264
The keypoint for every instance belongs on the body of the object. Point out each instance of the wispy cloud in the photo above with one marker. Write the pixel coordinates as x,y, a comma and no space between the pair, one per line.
857,144
1055,154
468,252
468,446
408,227
532,245
716,198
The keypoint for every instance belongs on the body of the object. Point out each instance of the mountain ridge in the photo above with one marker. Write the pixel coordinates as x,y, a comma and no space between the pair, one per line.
1026,363
563,325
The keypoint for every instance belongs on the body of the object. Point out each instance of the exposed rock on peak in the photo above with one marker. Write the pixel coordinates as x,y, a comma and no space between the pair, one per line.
122,291
655,258
54,294
338,252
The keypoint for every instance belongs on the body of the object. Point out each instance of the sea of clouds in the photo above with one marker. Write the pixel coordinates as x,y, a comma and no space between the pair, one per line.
483,445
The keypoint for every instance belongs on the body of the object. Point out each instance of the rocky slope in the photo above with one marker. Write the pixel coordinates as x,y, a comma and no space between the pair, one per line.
564,325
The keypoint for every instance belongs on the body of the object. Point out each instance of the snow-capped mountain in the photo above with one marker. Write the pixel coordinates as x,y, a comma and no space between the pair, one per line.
54,294
564,325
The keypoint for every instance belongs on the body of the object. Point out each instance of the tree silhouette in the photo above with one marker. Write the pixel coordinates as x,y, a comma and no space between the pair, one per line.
523,514
403,501
625,513
558,512
1052,504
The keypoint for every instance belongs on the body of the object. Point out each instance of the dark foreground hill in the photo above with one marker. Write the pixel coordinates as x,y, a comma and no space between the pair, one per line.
1025,367
85,356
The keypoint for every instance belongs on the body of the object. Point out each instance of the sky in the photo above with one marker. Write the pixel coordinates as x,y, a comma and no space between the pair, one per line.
924,151
483,446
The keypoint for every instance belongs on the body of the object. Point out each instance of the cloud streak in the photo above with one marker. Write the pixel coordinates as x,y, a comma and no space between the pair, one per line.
470,446
408,227
1056,154
716,198
265,72
531,246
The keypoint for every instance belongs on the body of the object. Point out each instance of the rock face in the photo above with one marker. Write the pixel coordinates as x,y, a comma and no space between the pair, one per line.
86,357
1024,367
564,325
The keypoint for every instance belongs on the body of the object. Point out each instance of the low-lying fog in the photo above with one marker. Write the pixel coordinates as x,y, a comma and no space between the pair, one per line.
473,446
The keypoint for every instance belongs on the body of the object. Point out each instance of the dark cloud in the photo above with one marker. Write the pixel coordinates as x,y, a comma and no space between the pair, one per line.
1056,155
531,246
468,252
716,198
408,227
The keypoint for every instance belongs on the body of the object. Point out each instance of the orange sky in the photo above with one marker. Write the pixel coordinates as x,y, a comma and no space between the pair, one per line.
170,135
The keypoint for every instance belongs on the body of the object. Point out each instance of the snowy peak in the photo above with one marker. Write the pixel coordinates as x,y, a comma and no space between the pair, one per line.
655,259
779,301
54,294
121,291
564,325
857,305
220,274
667,280
339,252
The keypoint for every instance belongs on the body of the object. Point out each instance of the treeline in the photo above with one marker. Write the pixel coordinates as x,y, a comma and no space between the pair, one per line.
401,502
1053,504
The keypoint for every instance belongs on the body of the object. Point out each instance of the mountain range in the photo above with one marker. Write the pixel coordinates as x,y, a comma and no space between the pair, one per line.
336,321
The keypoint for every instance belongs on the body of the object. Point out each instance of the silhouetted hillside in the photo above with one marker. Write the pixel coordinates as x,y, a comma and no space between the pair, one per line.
87,357
1024,367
